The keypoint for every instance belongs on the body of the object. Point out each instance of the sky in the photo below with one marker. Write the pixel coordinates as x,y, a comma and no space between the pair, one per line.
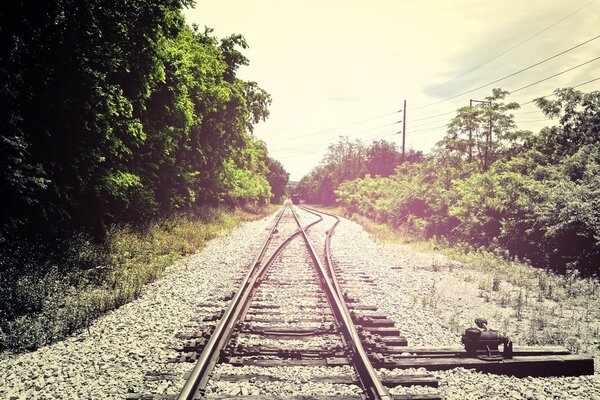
344,67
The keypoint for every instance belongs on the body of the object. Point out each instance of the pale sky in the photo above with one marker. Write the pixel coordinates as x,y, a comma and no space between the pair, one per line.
343,67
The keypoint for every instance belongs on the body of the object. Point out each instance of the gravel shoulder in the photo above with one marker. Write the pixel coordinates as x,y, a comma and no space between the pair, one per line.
432,299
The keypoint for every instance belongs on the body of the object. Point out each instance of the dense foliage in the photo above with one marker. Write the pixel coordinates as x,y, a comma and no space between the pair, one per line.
122,133
118,111
347,160
533,195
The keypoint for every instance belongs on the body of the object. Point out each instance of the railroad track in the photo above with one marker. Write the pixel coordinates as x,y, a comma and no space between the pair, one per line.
292,331
296,329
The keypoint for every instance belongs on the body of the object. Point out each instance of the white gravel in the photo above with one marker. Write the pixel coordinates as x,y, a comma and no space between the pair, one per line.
292,381
431,306
136,340
125,349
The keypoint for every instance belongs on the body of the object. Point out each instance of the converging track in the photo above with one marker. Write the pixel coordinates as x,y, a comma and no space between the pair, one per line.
290,320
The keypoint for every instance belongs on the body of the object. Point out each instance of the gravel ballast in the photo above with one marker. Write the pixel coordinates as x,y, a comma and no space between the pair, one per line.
428,303
127,350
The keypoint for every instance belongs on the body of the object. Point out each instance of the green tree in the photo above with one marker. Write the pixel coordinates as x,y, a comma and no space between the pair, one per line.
382,158
119,112
578,117
278,178
485,132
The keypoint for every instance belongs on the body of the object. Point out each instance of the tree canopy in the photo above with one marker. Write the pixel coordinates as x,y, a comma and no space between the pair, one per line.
533,195
121,112
347,160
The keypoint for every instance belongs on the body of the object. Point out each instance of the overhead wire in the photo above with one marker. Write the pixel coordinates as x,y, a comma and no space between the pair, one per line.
337,127
345,134
305,150
555,75
433,116
509,75
458,95
424,130
515,46
419,132
572,87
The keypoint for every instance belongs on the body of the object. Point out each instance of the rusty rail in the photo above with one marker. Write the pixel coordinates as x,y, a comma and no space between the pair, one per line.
365,371
224,329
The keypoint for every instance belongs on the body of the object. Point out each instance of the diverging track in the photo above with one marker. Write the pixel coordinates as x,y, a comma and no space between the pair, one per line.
291,330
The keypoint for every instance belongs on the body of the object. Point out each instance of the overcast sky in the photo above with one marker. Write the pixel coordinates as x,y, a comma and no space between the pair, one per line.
344,67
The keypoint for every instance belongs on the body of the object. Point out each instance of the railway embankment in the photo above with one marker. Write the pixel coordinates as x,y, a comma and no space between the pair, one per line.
430,297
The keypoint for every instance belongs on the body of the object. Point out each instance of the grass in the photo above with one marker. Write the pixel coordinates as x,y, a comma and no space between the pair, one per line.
542,307
48,291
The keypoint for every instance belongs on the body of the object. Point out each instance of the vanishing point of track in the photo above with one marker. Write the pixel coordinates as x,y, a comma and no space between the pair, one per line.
353,349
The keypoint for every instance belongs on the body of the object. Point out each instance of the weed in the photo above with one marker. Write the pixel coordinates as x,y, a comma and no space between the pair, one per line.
48,293
539,319
435,266
504,299
573,344
484,294
495,284
519,306
454,326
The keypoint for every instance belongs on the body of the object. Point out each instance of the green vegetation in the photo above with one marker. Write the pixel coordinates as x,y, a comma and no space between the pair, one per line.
537,306
528,196
49,290
113,115
119,112
346,161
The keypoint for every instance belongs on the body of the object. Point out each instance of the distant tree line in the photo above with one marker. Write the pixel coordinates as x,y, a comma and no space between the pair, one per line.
347,160
119,112
535,196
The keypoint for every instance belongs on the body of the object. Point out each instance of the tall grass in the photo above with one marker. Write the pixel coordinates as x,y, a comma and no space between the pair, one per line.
50,290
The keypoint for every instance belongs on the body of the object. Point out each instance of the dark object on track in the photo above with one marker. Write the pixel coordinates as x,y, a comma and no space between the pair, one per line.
295,198
483,343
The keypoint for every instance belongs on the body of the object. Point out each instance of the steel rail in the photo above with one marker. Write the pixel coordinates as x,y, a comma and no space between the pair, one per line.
207,358
224,328
366,373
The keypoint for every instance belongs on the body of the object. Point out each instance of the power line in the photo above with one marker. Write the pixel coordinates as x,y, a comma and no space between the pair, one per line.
572,87
432,116
585,83
338,127
345,134
451,112
418,132
552,76
435,121
533,120
427,129
515,46
318,143
528,112
510,75
303,151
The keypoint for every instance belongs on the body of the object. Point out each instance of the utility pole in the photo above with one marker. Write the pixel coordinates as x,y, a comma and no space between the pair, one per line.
489,145
404,131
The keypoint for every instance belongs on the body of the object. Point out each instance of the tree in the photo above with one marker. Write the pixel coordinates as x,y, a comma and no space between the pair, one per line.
382,158
278,178
120,112
578,117
344,160
484,132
